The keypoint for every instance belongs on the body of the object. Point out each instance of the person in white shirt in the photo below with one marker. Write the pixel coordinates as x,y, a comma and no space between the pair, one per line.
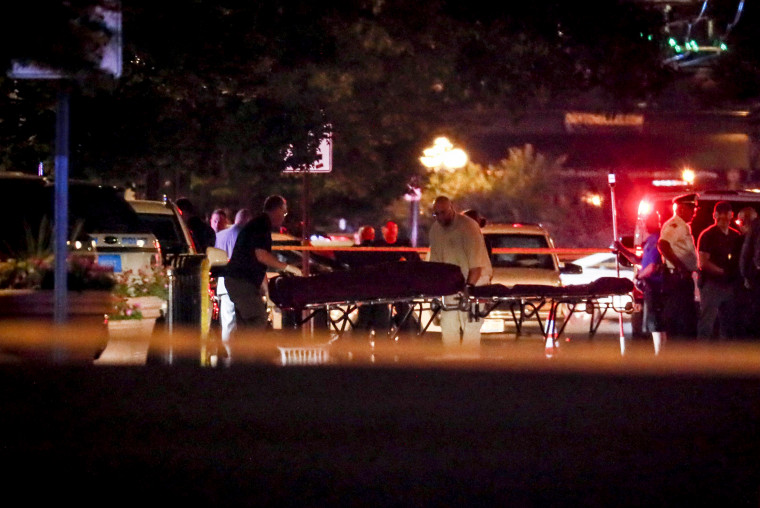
225,240
677,247
457,239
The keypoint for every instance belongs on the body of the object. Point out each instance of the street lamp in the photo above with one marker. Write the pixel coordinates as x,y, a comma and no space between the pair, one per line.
688,176
442,156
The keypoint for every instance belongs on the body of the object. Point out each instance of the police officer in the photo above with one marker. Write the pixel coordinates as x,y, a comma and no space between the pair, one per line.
677,247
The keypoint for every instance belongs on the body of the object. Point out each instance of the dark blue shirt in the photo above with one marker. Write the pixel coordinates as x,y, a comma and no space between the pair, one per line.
257,234
651,255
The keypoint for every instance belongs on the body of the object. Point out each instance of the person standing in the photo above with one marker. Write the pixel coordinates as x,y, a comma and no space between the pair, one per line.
457,239
203,235
719,248
748,294
649,278
252,254
390,238
401,312
482,221
218,220
225,240
676,245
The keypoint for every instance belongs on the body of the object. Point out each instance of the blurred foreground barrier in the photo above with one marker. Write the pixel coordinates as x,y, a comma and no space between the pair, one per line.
30,342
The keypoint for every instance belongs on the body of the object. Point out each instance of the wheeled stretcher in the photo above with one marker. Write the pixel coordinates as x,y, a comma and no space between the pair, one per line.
414,286
406,285
524,301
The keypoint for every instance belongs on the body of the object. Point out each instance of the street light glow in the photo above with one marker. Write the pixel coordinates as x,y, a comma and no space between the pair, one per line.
593,199
688,176
443,155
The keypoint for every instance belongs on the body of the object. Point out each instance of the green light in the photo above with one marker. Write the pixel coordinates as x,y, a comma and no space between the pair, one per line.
677,48
672,42
649,37
723,46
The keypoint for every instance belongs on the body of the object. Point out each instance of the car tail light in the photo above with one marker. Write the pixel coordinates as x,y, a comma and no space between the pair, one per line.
155,260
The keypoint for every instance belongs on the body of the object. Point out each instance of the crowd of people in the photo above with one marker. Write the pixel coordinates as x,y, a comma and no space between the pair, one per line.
454,238
723,264
708,289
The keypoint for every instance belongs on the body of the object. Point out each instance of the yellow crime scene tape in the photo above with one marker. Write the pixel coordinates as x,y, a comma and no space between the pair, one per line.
500,250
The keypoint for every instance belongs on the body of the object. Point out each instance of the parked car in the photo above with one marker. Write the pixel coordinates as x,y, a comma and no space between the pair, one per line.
521,268
99,218
518,268
595,266
165,221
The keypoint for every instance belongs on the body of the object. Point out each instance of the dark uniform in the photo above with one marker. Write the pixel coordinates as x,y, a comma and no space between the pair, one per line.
244,274
749,304
718,292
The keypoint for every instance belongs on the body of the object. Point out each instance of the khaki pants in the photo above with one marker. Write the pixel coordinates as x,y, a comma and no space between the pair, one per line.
457,329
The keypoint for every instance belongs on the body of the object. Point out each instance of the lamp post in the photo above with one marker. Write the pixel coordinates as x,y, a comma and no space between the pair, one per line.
688,175
442,156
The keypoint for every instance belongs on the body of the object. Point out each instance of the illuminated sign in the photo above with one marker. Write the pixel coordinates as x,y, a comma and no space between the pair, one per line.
576,121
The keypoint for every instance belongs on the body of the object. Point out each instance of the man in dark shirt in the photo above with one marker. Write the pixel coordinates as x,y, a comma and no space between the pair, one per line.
719,249
202,233
246,271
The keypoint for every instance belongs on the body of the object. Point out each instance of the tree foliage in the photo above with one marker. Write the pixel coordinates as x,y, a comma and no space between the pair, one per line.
516,189
213,92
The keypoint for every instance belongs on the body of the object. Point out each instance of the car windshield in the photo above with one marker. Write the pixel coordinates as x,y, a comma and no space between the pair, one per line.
519,260
168,231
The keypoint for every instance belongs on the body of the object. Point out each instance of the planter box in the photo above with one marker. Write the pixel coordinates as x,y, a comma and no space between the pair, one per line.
128,342
33,303
28,329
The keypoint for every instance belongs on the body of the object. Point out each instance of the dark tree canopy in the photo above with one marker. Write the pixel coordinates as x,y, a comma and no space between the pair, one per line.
213,92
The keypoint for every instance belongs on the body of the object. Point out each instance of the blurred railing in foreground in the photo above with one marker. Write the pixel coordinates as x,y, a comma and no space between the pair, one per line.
31,343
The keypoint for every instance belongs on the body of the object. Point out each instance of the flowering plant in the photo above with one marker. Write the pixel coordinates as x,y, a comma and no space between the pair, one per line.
151,282
32,266
124,310
38,272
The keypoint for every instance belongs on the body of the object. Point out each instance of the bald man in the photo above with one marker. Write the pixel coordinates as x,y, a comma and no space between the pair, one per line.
457,239
225,240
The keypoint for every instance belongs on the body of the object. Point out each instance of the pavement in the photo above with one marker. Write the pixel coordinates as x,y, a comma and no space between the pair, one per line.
394,424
